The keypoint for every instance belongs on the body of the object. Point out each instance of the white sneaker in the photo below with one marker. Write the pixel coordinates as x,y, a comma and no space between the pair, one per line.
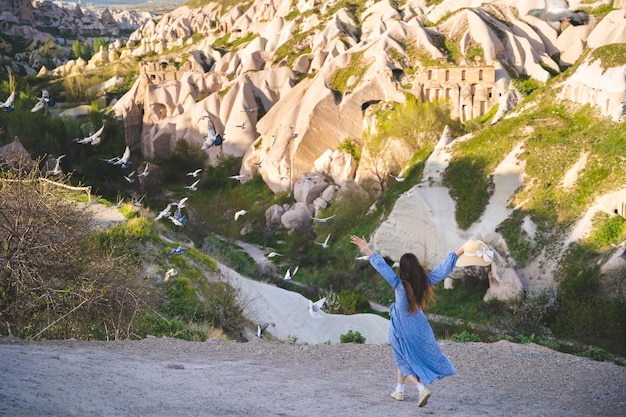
424,396
397,395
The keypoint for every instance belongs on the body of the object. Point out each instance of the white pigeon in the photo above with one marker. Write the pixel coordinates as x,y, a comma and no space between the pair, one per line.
129,177
44,100
291,272
145,171
164,213
93,139
193,187
181,203
176,221
9,101
316,307
323,220
557,12
138,202
272,254
325,243
57,167
170,273
212,137
362,258
240,213
249,109
397,177
237,177
195,173
260,329
124,161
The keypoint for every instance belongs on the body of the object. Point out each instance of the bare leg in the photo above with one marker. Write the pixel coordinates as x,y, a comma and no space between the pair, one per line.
402,379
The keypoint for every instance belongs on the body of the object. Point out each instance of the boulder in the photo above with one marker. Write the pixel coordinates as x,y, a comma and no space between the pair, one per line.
309,187
297,216
273,215
338,165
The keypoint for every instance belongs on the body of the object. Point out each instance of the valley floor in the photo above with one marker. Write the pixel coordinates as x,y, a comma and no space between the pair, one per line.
170,377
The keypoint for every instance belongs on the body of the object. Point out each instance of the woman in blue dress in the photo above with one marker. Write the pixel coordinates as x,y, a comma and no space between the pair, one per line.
415,350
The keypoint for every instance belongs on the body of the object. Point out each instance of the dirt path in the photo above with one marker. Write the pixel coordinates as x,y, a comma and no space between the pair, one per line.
169,377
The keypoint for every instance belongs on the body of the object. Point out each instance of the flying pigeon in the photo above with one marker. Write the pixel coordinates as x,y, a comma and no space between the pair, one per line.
177,251
194,186
316,307
145,171
8,104
557,12
181,204
325,243
164,213
170,273
124,161
309,177
240,213
397,177
129,177
243,125
249,109
237,177
260,329
212,138
258,164
323,220
290,273
137,203
57,167
111,161
362,258
272,254
44,101
119,202
178,218
93,139
195,173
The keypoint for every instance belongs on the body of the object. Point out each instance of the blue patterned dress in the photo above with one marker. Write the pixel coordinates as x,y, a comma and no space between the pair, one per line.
415,349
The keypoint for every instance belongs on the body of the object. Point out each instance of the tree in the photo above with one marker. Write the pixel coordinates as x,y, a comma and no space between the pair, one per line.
56,278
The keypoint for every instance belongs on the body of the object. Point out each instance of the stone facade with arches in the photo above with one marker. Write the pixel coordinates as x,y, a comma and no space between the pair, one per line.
470,90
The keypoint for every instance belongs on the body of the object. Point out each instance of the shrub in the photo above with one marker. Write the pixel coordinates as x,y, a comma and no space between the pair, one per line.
597,354
352,302
352,337
465,336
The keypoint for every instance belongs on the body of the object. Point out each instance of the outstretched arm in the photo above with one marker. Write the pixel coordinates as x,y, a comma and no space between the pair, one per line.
377,262
446,266
362,244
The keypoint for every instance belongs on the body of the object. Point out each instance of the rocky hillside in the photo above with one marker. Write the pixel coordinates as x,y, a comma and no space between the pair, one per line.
287,84
39,34
291,85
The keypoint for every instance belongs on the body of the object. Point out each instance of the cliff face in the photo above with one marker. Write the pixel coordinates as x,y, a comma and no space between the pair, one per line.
21,9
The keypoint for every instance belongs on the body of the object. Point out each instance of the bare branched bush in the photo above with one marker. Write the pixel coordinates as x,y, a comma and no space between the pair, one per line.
56,279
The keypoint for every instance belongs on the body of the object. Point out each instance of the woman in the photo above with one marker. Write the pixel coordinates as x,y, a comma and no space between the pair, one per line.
415,350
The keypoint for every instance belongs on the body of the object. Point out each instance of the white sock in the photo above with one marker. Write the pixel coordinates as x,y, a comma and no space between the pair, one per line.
420,387
400,388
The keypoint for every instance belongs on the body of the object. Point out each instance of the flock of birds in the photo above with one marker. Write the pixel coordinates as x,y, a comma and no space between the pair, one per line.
555,13
44,101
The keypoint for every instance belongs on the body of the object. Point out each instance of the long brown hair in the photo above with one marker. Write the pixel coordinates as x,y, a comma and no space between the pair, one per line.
415,280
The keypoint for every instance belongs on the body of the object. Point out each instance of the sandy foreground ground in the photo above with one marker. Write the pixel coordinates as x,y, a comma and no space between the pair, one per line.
170,377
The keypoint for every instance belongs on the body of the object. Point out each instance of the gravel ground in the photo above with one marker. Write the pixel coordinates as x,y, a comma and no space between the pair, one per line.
170,377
